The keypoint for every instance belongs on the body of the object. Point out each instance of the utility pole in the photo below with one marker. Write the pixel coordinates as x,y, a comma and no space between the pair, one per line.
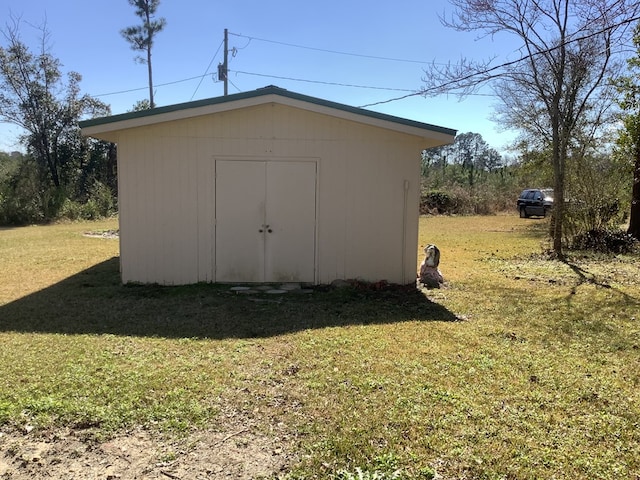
223,68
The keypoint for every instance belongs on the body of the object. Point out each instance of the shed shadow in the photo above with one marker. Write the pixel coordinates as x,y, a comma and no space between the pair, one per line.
95,302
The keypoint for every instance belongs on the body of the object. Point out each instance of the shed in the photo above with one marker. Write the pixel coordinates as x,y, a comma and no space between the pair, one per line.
267,186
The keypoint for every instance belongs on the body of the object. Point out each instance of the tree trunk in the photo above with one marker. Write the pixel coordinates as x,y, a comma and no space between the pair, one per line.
558,187
112,168
151,102
634,219
46,157
149,42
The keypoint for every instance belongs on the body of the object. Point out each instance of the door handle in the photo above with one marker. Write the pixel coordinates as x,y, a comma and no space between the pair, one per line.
265,227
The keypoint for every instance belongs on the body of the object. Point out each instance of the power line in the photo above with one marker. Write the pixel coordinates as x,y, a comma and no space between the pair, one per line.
335,52
207,70
145,88
236,87
322,82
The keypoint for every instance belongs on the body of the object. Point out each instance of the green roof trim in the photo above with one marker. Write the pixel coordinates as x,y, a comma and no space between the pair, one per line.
270,90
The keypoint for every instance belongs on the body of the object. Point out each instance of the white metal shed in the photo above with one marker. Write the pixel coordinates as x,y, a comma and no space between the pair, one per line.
267,186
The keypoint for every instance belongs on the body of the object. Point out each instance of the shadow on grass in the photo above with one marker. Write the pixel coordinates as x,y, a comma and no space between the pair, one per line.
538,227
586,277
95,302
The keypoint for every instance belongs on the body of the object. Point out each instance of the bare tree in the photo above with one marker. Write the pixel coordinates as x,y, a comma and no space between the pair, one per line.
141,37
567,51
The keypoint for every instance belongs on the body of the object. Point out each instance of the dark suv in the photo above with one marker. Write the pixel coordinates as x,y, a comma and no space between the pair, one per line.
535,201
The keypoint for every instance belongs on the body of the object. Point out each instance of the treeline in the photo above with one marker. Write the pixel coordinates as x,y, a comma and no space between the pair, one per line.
470,177
87,186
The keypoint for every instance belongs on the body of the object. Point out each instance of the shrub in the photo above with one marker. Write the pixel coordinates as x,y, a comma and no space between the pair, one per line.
605,241
458,200
436,202
100,204
102,199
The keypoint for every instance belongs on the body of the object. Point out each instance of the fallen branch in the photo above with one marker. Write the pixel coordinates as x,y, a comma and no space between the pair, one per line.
231,435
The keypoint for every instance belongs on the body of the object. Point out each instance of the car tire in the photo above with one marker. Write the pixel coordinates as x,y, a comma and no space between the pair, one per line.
523,213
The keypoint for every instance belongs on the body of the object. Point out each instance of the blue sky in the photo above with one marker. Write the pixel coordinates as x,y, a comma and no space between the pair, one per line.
341,39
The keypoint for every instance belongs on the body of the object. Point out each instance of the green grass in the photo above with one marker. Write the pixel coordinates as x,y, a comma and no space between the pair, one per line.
522,368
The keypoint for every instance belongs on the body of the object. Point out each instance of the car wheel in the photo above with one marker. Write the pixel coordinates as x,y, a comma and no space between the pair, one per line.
523,213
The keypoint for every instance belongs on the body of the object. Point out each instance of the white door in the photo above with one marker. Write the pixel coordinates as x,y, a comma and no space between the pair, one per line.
240,203
265,221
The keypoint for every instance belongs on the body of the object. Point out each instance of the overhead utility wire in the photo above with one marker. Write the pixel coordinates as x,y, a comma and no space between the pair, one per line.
201,77
498,67
321,82
207,70
146,88
329,51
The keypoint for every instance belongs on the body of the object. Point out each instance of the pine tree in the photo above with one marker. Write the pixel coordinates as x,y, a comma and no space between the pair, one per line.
141,37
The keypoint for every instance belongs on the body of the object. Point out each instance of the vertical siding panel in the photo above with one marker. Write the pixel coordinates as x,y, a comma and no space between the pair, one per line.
332,215
157,237
205,206
135,191
176,200
126,150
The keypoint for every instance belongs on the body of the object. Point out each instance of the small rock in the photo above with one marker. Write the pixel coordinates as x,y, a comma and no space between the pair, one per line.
339,283
240,289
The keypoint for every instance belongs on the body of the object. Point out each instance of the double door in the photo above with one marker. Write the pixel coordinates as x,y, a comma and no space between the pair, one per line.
265,221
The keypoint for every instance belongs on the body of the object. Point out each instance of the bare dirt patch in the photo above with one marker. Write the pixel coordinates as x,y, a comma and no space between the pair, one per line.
239,453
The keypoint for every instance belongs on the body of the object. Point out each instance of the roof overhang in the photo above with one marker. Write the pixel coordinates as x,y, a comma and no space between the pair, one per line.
105,127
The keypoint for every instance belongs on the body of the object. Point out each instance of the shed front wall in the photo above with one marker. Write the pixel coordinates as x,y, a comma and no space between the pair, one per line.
367,192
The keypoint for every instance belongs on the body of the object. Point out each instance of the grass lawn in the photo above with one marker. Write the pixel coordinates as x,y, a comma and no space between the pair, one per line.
522,368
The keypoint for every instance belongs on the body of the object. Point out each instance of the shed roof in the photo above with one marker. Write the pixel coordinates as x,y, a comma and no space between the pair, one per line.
100,126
